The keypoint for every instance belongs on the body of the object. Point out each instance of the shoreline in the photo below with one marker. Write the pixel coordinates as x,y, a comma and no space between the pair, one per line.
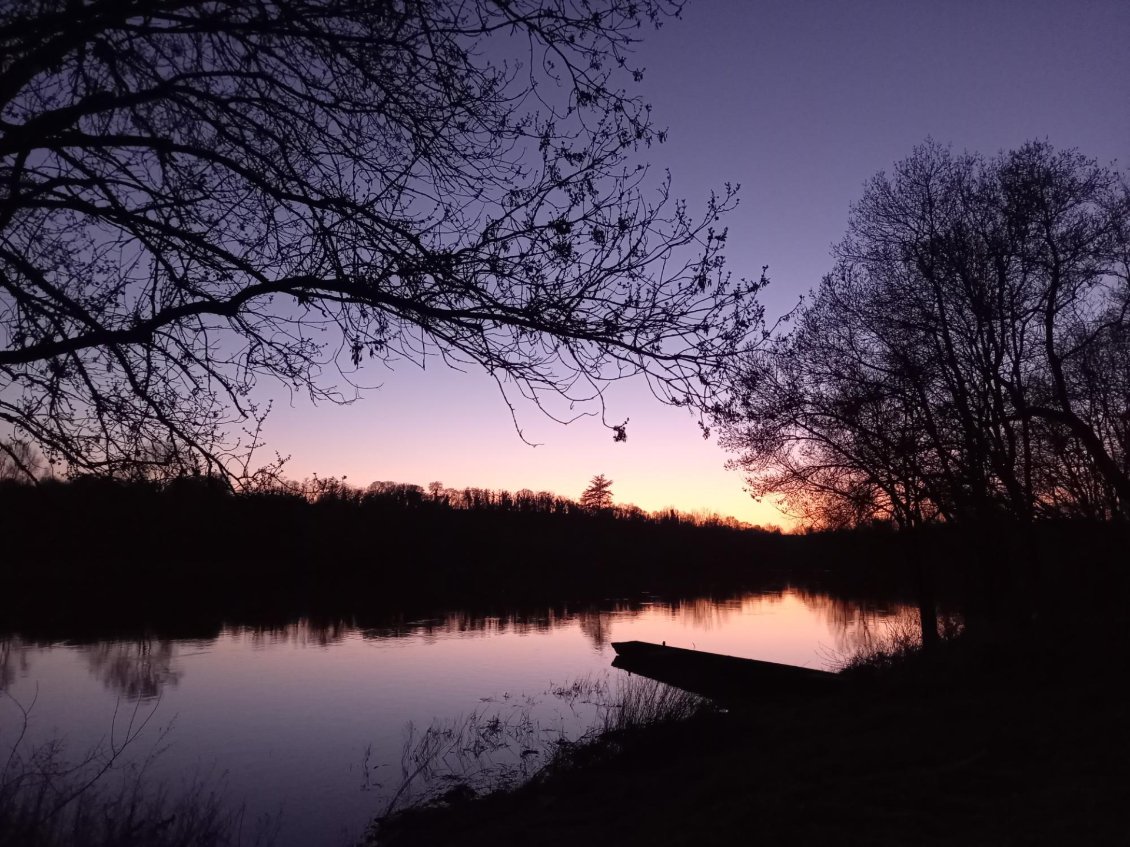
977,745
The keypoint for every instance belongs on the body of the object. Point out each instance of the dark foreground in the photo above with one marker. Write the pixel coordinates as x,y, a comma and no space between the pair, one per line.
977,746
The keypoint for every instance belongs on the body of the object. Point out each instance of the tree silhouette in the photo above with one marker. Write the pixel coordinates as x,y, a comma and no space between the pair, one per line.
967,358
599,493
201,196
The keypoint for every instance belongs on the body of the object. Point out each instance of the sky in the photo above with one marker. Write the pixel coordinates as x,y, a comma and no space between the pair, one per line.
800,102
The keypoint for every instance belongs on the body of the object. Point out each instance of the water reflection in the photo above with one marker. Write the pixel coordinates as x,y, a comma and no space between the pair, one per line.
137,670
303,632
596,625
14,655
460,623
143,668
707,614
857,623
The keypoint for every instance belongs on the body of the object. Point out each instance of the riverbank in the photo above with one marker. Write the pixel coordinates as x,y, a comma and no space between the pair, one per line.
96,559
978,745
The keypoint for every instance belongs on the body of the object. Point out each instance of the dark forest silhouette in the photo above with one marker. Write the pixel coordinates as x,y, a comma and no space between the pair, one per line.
146,548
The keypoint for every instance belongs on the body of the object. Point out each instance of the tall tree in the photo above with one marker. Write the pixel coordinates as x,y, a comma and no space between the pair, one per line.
966,358
200,195
598,495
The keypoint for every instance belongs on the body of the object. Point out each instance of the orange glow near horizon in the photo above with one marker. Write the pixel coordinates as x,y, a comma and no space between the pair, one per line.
443,426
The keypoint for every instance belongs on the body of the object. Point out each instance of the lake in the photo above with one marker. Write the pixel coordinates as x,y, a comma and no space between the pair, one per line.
307,723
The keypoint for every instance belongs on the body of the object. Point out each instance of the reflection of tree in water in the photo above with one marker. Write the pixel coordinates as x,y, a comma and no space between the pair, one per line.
857,624
521,623
851,621
596,625
705,613
13,660
309,632
468,623
303,632
138,670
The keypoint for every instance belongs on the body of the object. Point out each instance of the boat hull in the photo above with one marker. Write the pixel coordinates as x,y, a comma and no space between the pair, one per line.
717,676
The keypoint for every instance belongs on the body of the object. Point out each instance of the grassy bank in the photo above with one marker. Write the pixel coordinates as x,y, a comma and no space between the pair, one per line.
979,744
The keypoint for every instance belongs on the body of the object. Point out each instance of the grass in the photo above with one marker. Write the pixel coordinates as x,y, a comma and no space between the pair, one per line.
472,754
893,647
480,756
640,703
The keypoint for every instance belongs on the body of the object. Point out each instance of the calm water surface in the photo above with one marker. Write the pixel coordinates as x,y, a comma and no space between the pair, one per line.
310,722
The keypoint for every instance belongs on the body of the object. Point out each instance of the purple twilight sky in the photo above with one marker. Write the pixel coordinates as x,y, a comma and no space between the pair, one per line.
799,101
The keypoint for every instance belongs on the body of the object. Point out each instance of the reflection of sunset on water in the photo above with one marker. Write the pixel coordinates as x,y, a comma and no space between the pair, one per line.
288,710
790,625
787,626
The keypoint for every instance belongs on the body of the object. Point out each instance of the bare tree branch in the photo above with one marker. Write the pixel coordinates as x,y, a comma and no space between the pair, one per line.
196,196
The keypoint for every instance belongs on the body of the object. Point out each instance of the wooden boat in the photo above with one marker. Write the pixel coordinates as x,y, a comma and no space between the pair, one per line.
717,676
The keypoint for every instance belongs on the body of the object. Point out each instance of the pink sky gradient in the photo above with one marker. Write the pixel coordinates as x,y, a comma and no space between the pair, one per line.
800,103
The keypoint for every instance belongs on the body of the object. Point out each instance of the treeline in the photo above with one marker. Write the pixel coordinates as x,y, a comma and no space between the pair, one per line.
95,555
523,501
194,543
968,359
31,469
